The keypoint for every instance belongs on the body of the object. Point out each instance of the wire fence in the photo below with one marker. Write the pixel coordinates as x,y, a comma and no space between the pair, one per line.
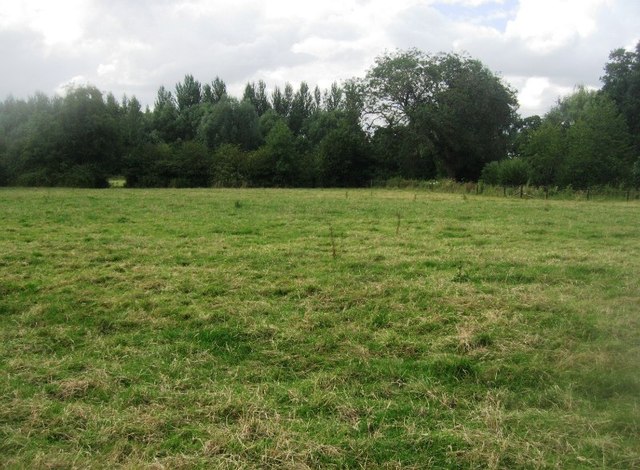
524,192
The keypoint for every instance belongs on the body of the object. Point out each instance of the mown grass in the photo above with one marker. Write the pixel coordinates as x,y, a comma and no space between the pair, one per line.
317,328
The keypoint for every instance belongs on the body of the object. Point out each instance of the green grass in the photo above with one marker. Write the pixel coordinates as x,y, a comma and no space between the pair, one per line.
317,328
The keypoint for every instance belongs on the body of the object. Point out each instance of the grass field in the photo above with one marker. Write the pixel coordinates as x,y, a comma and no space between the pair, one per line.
317,328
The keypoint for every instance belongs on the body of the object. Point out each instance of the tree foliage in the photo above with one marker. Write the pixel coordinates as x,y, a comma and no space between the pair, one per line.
508,172
450,104
230,122
230,167
414,115
635,174
545,152
583,141
621,82
215,92
75,141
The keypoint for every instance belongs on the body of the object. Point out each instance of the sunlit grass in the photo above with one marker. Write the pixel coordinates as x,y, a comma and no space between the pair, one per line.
317,328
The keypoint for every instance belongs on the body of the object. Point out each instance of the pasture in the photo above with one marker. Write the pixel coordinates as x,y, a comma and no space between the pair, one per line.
258,328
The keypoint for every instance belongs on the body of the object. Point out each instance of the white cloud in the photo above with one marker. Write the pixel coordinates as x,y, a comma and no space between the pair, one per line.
60,23
536,91
134,47
107,69
354,11
320,47
546,25
471,3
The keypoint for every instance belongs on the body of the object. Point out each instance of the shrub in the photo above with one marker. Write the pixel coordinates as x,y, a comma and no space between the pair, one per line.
491,173
149,165
510,172
229,167
83,176
192,164
514,172
36,177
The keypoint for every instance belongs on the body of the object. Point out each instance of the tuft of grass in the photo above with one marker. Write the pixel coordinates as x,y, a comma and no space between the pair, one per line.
168,328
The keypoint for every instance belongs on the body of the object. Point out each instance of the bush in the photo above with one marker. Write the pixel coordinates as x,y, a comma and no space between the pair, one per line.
36,177
149,166
510,172
514,172
230,167
192,165
83,176
491,174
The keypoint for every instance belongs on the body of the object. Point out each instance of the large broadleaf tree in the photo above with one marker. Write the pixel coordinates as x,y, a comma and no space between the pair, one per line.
456,111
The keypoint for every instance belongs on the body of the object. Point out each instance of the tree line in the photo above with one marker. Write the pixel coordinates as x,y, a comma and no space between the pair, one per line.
413,115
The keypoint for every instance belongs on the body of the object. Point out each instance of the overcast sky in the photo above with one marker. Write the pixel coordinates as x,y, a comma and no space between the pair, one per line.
543,48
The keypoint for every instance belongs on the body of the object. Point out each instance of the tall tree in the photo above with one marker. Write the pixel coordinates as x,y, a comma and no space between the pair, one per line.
599,146
249,93
278,163
622,83
279,106
133,122
34,153
545,151
344,156
91,131
333,97
301,108
583,141
165,115
215,92
450,103
188,93
230,122
282,100
256,94
188,98
72,141
317,98
521,133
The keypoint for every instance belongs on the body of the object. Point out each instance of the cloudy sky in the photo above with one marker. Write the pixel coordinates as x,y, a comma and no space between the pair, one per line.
543,48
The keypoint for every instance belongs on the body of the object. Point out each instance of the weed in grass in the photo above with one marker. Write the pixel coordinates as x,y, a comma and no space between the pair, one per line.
461,275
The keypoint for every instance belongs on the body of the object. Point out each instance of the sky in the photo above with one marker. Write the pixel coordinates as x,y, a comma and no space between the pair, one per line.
541,48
